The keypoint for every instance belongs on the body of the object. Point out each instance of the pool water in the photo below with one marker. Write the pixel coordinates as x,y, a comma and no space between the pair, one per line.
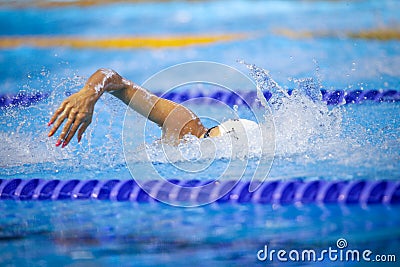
312,140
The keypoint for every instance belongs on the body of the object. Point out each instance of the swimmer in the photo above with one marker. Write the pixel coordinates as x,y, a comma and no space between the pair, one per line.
175,120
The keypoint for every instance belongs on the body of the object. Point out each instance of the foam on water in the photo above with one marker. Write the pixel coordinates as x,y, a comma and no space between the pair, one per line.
194,149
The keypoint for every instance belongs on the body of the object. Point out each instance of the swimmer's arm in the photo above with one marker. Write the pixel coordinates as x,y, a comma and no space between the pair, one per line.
175,119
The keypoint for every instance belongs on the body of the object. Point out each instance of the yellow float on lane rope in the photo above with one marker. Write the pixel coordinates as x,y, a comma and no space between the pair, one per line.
117,43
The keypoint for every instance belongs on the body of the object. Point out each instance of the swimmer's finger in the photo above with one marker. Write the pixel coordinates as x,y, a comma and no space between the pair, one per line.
65,131
83,129
71,133
59,121
57,113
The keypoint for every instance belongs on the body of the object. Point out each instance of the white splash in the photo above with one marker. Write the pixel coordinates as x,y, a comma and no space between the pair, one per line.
196,149
303,123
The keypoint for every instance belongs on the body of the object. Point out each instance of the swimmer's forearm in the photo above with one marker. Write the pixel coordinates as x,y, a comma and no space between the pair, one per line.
154,108
138,98
107,80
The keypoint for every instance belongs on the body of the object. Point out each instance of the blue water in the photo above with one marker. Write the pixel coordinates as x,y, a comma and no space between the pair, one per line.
354,142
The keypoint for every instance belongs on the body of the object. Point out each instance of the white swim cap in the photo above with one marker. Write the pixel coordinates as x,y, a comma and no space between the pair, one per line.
239,129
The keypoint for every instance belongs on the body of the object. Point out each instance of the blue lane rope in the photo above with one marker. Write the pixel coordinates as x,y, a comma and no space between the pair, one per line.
230,98
21,99
269,192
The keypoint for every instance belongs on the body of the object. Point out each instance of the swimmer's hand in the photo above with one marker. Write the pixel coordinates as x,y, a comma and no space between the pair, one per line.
77,109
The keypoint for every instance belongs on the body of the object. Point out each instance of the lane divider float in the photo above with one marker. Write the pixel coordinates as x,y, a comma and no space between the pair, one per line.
294,191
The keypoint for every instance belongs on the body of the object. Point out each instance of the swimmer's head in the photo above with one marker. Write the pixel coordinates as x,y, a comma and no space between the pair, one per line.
237,129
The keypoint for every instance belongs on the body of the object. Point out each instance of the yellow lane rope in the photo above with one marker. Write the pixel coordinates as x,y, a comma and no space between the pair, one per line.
384,34
117,43
378,34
